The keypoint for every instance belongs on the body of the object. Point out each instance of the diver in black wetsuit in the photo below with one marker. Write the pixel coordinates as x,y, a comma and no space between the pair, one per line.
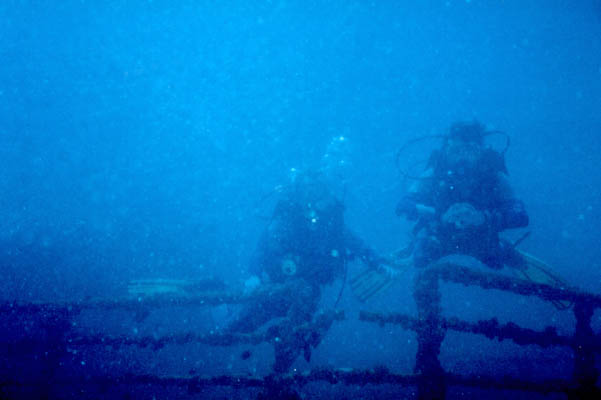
463,201
305,246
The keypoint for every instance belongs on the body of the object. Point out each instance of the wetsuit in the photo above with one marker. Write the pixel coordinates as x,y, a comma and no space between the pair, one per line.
480,184
306,246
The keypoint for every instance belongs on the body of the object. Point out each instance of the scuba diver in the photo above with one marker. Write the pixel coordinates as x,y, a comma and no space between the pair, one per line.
305,246
462,201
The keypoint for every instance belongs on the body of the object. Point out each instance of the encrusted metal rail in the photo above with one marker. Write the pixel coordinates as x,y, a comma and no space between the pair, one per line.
431,327
133,303
377,376
322,323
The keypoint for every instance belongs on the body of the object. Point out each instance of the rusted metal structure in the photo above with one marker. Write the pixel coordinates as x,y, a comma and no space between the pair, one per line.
430,326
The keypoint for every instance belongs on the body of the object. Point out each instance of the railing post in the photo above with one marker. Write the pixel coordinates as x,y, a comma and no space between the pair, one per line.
585,373
430,335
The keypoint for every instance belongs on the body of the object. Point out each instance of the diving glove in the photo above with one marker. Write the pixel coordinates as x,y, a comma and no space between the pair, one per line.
389,271
251,284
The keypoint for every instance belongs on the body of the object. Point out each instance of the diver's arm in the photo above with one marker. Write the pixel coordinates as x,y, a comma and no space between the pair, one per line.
264,263
510,212
414,204
356,248
407,206
251,284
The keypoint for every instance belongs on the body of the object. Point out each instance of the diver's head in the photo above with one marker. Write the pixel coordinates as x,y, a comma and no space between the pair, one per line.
335,164
467,132
336,160
464,142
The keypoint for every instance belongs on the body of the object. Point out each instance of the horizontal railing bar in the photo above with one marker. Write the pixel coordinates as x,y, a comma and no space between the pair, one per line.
218,339
509,383
445,270
377,376
137,303
127,304
489,328
322,322
451,272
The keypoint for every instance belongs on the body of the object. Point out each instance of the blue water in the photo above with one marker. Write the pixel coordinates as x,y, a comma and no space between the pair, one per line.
142,139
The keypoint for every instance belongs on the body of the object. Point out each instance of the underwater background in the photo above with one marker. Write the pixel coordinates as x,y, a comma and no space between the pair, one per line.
144,139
